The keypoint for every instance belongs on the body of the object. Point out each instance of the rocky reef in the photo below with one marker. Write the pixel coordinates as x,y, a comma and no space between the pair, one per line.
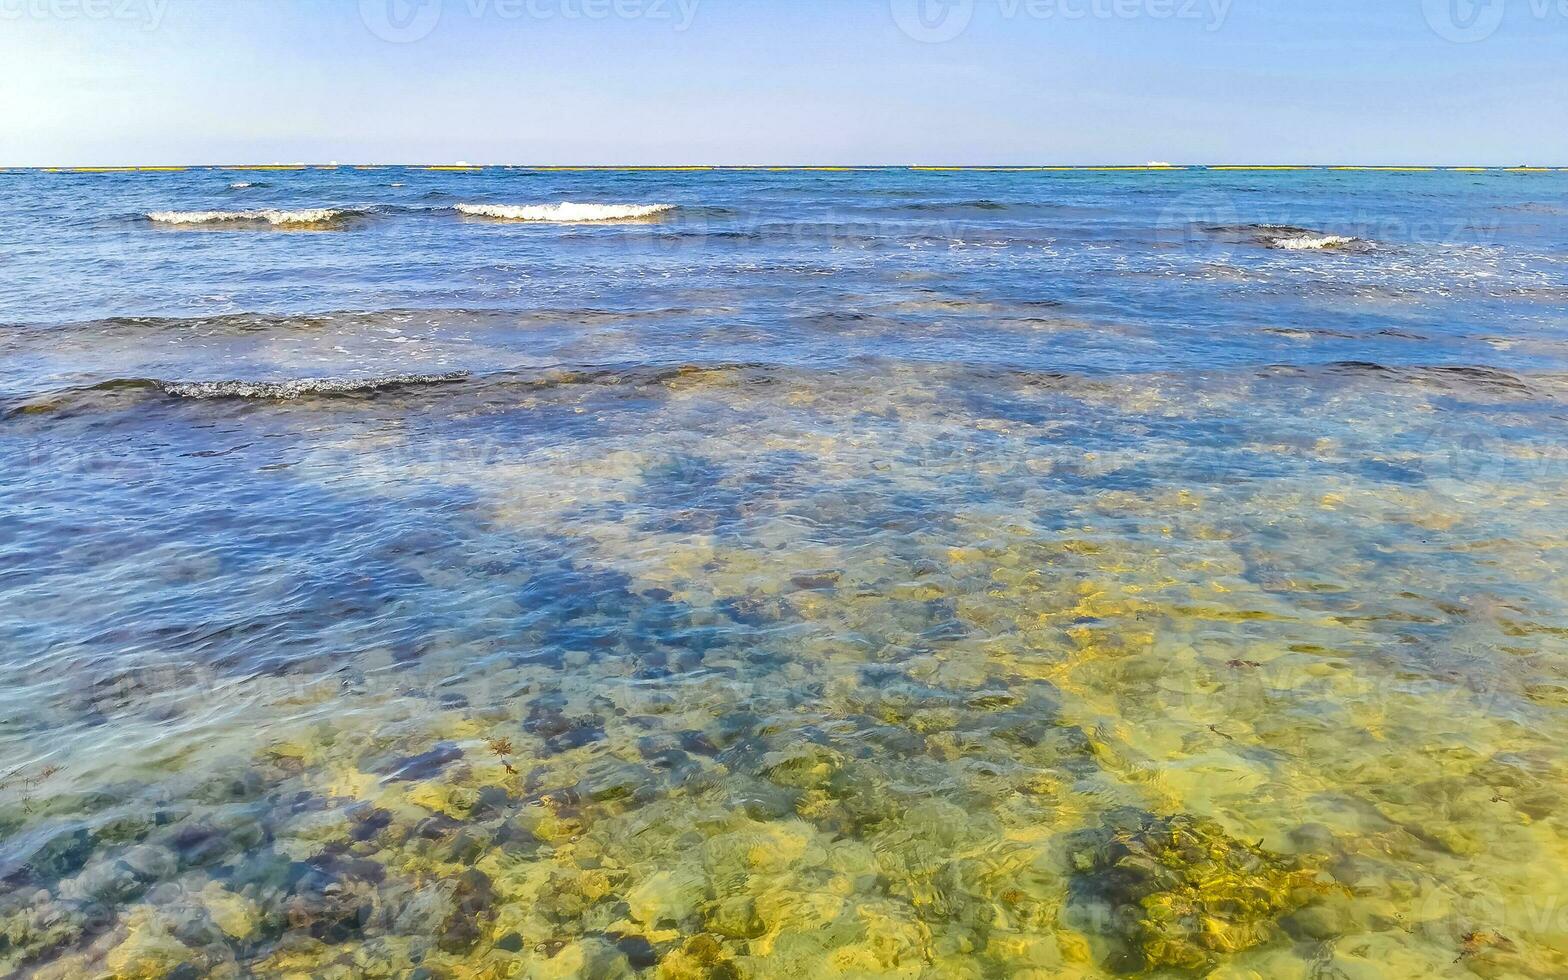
798,693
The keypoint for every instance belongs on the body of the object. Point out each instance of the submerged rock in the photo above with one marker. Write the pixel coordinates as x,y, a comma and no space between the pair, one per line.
472,897
237,916
149,952
63,854
666,897
701,958
33,927
328,908
118,879
1180,892
426,765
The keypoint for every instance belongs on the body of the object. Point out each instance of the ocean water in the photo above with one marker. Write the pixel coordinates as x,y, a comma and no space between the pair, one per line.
516,573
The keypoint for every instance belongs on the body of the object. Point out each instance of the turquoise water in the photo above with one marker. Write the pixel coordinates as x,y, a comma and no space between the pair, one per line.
880,573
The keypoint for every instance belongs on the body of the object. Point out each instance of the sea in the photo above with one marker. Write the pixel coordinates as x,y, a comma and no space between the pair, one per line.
483,572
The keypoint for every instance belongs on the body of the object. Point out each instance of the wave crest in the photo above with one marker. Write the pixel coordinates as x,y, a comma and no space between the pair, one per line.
1288,237
269,216
1298,243
497,388
565,212
300,387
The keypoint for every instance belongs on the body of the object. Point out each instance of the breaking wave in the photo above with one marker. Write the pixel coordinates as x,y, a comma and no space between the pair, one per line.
300,387
112,392
1288,237
565,212
1311,242
305,217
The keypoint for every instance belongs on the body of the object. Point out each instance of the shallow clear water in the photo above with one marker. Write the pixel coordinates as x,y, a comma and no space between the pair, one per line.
840,574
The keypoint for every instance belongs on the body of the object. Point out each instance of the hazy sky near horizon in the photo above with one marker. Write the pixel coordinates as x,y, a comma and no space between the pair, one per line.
103,82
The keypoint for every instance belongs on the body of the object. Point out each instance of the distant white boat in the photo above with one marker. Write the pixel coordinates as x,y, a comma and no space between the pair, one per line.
1158,163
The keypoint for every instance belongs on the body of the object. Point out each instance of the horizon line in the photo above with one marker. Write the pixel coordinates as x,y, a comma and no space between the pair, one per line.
461,167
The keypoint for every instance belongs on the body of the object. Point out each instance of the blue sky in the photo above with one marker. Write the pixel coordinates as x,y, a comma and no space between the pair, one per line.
103,82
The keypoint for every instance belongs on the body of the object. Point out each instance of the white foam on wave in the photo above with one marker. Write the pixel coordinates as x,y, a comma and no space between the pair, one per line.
269,216
300,387
240,185
1313,242
565,212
